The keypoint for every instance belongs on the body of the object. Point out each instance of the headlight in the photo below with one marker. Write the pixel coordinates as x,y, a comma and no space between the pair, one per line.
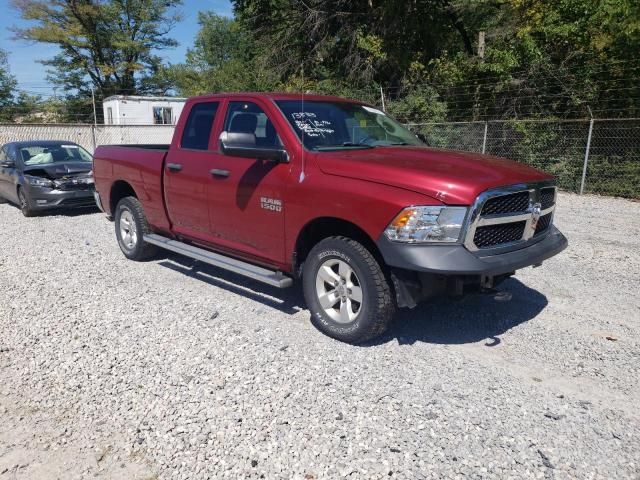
427,224
38,181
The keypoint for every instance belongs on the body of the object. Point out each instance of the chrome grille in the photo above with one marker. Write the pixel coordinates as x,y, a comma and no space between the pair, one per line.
510,216
498,234
547,197
513,203
543,223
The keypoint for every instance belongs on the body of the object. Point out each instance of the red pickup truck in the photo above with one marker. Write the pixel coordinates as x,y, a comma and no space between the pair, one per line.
278,187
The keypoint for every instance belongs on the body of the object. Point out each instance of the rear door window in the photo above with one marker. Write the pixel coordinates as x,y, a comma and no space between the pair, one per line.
197,130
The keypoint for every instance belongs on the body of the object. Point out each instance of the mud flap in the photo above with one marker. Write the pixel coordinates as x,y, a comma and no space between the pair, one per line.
407,290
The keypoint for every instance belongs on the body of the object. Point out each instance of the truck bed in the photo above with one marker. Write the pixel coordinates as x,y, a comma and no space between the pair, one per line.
138,165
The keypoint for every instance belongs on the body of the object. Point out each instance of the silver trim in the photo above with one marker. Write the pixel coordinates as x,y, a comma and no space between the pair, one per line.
339,292
475,219
270,277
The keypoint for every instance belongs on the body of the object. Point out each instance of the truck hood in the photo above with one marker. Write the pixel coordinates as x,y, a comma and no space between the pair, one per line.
454,178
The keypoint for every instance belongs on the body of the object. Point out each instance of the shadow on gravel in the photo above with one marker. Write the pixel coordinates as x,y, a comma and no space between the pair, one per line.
289,301
471,319
72,212
63,212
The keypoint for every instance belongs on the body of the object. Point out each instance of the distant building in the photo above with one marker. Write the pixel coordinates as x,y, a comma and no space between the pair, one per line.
126,110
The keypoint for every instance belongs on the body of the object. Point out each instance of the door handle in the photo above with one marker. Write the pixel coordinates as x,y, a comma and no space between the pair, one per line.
174,167
219,173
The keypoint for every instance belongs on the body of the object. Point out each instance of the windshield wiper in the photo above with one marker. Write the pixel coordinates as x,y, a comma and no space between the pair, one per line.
343,145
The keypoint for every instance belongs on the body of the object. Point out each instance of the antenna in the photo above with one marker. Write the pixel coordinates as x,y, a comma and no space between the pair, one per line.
302,175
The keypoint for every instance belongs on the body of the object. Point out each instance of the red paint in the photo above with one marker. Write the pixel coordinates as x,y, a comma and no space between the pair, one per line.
365,187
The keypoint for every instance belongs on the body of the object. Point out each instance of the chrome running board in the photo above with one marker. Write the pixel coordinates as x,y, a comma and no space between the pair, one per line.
270,277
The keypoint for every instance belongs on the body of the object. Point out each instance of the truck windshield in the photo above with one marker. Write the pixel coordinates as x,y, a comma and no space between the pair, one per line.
323,125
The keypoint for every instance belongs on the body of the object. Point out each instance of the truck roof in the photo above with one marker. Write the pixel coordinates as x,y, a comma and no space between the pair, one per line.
277,96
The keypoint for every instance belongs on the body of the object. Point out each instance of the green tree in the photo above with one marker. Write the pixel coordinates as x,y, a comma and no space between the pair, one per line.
107,44
224,58
7,89
358,41
544,58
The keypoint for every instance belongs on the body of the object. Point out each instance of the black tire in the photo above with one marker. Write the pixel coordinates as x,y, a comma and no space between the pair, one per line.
23,203
137,249
377,307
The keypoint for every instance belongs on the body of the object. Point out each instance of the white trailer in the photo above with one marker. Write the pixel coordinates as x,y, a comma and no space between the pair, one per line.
134,110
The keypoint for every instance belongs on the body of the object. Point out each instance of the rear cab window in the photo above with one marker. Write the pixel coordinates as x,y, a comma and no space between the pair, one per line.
197,129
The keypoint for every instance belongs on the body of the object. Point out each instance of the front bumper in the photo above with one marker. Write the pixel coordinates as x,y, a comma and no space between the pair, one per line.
457,260
46,198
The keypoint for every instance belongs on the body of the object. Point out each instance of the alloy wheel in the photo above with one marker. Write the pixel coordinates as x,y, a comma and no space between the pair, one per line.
128,230
339,291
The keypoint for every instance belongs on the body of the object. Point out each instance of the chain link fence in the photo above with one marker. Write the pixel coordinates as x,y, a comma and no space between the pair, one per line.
88,136
595,156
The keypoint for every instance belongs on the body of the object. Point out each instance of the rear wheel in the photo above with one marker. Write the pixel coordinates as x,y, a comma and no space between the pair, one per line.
23,200
346,291
131,225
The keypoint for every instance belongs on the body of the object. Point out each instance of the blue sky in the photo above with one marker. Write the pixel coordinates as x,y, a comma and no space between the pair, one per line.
24,56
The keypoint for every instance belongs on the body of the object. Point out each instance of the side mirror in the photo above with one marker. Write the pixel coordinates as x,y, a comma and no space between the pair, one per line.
235,144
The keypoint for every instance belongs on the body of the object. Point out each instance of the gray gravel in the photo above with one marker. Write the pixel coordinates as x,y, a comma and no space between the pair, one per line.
172,369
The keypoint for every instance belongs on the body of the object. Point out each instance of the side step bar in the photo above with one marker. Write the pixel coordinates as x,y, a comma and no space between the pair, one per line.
275,279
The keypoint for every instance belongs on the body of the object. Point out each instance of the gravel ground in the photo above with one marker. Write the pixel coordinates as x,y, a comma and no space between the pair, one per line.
172,369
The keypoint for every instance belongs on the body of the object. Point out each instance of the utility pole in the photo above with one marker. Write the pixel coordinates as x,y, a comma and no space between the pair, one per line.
586,152
93,100
95,118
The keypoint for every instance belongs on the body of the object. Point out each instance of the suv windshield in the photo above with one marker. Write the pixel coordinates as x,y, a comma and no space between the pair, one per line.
323,125
53,153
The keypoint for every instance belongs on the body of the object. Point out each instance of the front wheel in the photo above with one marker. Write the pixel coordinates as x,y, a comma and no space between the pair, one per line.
131,225
346,291
24,203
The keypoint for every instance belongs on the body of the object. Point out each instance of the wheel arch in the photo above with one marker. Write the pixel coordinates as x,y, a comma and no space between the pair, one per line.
19,187
320,228
119,190
19,183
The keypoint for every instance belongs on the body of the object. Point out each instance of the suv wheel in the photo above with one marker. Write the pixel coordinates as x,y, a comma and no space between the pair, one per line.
131,224
346,291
